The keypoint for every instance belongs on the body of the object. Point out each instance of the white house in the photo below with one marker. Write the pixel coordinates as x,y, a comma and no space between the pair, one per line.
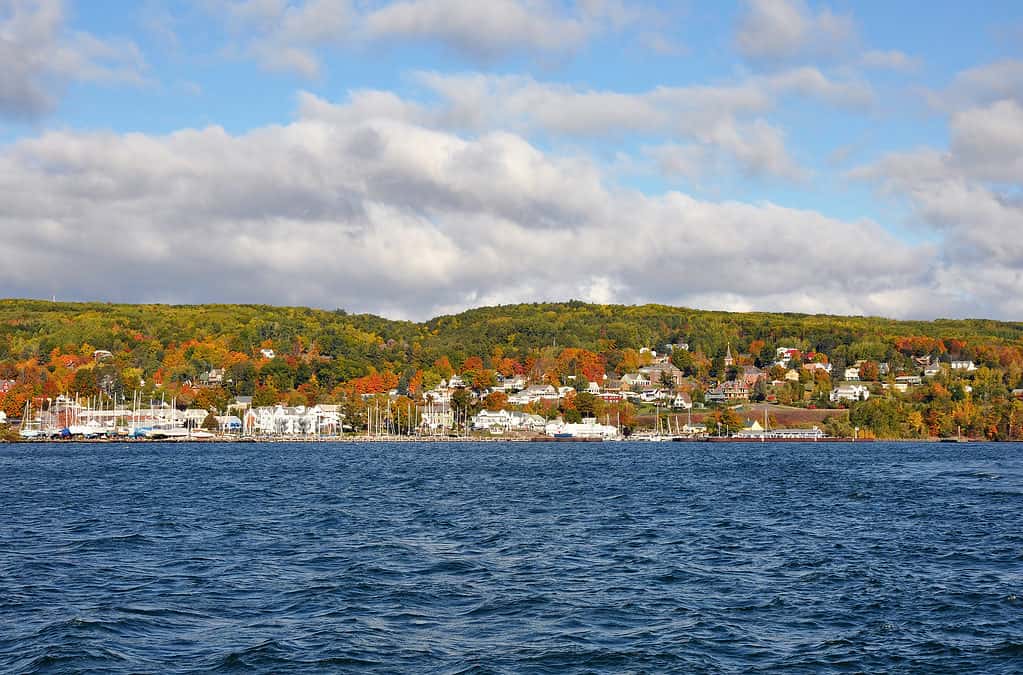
507,420
968,366
631,380
268,353
852,374
437,417
214,377
682,401
514,383
850,392
291,421
533,394
229,423
194,417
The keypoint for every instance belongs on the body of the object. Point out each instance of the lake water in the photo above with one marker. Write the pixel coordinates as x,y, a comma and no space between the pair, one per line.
514,558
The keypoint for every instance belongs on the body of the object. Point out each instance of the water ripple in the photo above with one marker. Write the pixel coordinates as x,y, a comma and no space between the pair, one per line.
518,558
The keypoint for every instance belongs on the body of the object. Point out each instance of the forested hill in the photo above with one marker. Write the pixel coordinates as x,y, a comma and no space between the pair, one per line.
33,329
205,355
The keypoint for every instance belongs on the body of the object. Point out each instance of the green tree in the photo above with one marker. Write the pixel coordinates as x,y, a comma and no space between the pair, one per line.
683,360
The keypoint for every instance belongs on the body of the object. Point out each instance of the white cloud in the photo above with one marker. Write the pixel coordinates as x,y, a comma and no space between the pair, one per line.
481,30
390,216
968,195
988,141
891,59
785,30
982,84
39,56
726,120
291,35
286,36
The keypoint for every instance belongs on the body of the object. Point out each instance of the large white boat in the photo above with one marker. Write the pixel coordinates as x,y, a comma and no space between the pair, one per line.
588,428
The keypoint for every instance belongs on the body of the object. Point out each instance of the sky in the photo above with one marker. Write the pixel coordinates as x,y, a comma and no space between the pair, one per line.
418,157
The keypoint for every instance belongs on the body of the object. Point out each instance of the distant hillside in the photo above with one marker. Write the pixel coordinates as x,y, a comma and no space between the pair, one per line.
205,355
32,328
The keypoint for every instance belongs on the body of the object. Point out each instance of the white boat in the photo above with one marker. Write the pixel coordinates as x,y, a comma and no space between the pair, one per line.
167,432
26,430
588,428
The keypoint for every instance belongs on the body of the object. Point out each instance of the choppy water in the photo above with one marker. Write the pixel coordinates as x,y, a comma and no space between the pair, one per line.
511,558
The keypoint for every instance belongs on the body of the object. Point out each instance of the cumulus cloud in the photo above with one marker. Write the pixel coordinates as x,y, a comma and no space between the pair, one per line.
969,195
39,56
785,30
286,36
987,142
725,121
481,30
1001,80
389,215
290,35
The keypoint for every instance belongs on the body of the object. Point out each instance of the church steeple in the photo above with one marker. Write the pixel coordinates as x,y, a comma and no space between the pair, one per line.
728,356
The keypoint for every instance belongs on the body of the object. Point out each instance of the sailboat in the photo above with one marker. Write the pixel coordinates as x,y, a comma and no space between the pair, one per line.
26,430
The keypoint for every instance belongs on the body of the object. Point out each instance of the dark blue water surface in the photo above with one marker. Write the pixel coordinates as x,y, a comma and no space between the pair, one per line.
512,558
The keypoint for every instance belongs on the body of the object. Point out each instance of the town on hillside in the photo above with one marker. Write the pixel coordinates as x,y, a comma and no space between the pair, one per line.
925,388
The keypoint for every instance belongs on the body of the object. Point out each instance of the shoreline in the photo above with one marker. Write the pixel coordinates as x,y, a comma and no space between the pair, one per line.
481,439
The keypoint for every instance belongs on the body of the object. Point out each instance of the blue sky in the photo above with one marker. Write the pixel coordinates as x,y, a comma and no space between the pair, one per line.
417,156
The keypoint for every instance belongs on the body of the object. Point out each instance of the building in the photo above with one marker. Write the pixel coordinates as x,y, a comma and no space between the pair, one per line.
507,420
437,417
968,366
732,390
651,395
852,374
290,421
194,417
214,377
750,375
751,433
660,373
634,380
535,394
514,383
682,401
268,353
850,392
229,424
784,355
